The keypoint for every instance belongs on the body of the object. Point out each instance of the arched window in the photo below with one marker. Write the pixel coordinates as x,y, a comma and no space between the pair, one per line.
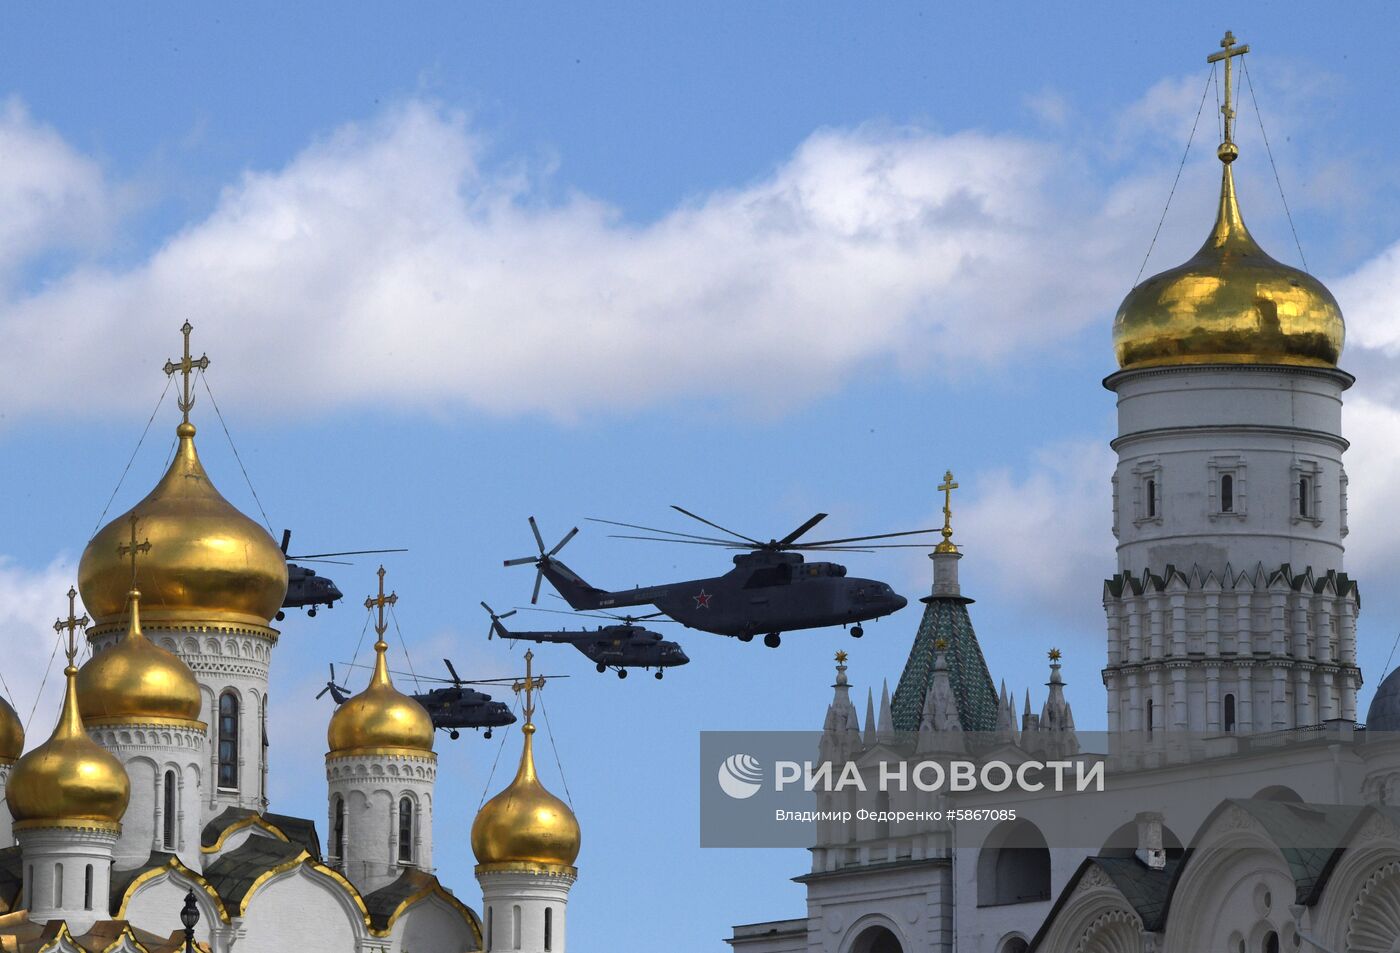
338,829
29,887
515,926
87,888
262,773
1151,711
171,807
1013,865
1271,942
1151,499
228,740
490,929
58,886
405,830
1230,711
1227,493
1014,944
548,929
876,939
1304,492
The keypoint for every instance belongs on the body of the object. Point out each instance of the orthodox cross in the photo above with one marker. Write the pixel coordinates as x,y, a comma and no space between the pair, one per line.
72,624
1228,52
133,548
529,685
186,367
946,488
380,602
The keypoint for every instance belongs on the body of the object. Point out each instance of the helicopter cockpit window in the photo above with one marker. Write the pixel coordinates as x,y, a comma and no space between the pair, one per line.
769,576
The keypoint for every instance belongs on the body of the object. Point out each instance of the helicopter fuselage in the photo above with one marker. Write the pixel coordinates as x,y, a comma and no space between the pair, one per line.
614,646
765,592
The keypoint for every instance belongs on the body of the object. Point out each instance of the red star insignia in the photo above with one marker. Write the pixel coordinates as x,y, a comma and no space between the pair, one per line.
702,601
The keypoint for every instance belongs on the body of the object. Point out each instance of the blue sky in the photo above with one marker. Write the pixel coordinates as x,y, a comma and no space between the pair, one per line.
467,264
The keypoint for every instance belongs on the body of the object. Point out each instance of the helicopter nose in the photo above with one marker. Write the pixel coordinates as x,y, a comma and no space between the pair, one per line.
898,601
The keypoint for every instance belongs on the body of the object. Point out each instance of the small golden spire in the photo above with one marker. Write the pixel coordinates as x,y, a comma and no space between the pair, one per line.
940,644
1228,151
1054,655
72,624
946,488
186,367
841,657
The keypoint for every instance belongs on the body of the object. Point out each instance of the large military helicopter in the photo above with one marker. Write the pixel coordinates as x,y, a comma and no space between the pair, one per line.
453,707
619,646
770,589
305,589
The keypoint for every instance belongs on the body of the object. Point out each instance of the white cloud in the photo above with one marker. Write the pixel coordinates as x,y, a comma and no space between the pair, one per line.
30,601
1044,537
386,264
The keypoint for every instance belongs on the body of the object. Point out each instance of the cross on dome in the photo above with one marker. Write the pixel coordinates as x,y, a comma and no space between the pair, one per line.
530,684
133,548
381,602
1228,51
186,367
72,624
946,488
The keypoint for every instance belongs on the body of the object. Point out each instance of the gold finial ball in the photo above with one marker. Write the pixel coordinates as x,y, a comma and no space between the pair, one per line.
1228,152
185,429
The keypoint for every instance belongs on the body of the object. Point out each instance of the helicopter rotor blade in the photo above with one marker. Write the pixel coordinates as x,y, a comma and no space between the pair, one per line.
725,544
489,611
286,540
334,562
535,528
861,539
522,560
539,578
715,525
348,552
451,669
507,615
323,691
653,529
602,615
792,537
563,542
868,547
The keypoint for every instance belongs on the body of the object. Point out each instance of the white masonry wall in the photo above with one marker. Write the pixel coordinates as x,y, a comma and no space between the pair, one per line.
372,787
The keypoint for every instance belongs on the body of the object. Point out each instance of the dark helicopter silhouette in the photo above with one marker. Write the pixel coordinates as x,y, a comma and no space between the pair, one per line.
771,588
305,589
619,646
452,707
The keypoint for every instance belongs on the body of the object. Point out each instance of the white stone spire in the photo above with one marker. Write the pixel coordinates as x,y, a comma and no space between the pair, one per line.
841,729
869,737
940,730
884,731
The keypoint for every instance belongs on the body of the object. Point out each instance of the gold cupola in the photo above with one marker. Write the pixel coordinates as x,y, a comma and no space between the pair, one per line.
380,719
525,826
1230,303
11,734
138,682
210,563
69,780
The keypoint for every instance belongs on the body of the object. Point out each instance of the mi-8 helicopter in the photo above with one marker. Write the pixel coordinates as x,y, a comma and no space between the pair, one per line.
305,589
771,588
619,646
452,708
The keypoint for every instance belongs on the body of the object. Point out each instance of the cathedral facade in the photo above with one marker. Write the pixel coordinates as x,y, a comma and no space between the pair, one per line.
1246,809
143,824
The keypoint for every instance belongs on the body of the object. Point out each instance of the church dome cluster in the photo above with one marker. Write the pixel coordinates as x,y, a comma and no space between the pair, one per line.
208,561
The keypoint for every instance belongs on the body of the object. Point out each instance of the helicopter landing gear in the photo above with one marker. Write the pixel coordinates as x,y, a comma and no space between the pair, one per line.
746,637
856,631
622,673
280,615
772,640
311,612
659,674
487,736
454,734
601,668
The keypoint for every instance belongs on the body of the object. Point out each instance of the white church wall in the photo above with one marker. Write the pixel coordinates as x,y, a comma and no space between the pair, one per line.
303,910
156,904
432,925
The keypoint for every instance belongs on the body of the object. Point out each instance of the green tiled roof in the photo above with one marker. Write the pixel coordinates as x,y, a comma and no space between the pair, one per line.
946,618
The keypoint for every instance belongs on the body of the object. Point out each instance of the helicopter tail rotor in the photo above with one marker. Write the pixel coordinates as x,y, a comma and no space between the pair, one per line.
542,559
495,621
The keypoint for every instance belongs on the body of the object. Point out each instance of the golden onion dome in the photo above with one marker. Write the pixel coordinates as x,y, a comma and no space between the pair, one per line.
11,733
208,562
380,717
525,824
69,780
1230,304
137,681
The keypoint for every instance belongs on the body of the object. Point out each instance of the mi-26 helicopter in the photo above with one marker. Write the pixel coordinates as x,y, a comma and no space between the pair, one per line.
771,588
452,708
305,589
619,646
